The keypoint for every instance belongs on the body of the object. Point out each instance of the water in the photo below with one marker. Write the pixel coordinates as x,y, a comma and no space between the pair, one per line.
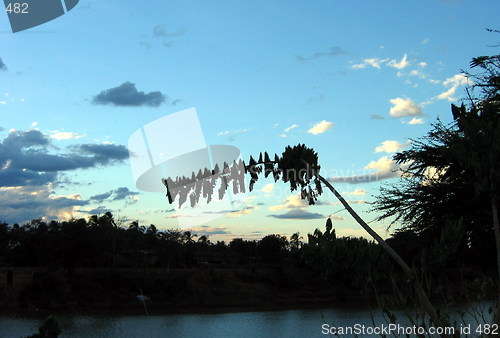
291,323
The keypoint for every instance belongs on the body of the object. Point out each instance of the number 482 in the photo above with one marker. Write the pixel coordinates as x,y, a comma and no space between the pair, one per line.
17,8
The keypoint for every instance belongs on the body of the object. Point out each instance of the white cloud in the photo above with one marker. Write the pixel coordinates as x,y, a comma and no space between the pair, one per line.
291,202
416,121
448,95
247,207
374,62
377,63
233,132
178,216
456,80
425,41
359,66
64,135
418,73
384,168
246,199
286,130
390,147
399,65
334,217
383,164
404,107
132,199
320,127
453,83
246,211
268,188
422,64
290,128
3,102
358,192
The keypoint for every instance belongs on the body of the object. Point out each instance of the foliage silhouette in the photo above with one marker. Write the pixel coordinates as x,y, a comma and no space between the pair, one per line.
298,166
177,272
452,176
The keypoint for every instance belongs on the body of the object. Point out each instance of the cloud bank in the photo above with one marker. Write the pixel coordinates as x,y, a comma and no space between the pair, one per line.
30,167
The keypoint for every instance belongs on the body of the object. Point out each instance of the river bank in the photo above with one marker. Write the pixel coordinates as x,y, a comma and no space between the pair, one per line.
197,290
169,290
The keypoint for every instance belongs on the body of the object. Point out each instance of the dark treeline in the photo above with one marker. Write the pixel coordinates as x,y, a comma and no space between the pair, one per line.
100,242
95,263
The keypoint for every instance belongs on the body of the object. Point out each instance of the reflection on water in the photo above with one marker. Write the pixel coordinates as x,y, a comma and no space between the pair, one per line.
291,323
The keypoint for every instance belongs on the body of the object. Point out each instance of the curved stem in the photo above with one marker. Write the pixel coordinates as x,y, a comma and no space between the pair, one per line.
408,271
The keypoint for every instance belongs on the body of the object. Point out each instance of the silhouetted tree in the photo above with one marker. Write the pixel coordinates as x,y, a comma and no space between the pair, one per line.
271,248
452,175
188,237
243,248
350,263
203,240
295,241
297,166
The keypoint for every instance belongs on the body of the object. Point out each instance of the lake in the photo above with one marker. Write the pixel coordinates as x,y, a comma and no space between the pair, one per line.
289,323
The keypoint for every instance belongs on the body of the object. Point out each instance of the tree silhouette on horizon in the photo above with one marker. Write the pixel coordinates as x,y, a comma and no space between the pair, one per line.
298,166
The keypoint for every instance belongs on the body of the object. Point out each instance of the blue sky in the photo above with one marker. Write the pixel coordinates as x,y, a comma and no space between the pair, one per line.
355,80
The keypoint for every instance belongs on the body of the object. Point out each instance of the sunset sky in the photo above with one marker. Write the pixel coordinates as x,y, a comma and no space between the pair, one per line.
355,80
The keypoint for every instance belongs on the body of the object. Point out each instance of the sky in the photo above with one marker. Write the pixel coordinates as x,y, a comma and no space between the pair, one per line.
354,80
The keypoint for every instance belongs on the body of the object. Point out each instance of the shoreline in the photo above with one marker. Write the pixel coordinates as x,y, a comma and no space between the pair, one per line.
207,310
158,310
189,291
